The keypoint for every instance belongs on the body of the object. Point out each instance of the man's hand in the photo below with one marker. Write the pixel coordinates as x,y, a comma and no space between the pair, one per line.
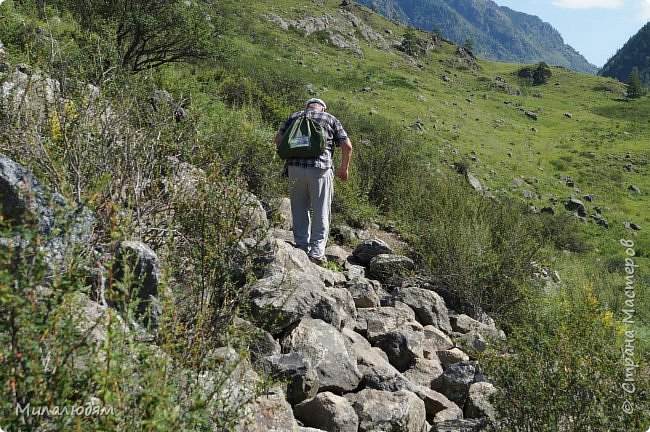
346,148
342,173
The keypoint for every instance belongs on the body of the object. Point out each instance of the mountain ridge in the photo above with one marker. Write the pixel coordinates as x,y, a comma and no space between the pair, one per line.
498,32
635,53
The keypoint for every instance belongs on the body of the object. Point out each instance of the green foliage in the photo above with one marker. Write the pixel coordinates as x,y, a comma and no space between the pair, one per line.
564,371
411,44
538,74
469,44
634,87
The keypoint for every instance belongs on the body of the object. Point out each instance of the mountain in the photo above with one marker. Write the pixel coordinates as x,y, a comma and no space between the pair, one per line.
497,32
635,53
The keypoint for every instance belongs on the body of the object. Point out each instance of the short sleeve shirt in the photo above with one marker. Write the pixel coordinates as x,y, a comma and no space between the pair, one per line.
334,133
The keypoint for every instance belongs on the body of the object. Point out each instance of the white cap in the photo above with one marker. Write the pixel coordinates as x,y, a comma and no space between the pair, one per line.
316,100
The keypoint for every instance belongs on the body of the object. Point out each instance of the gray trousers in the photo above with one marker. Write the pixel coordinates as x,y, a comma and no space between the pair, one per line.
311,188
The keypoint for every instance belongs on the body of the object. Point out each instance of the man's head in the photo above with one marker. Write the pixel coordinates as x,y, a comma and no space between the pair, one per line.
315,103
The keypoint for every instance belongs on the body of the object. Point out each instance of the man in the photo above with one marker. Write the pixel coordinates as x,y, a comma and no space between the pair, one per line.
311,182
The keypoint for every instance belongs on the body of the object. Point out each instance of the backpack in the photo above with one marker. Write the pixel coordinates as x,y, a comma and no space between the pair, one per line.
304,138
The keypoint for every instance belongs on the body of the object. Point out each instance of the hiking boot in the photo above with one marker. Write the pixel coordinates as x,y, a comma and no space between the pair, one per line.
318,260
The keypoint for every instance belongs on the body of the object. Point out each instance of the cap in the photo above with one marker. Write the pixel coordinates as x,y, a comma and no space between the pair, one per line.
316,100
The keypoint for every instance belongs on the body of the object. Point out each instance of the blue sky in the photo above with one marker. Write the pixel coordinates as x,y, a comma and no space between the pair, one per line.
595,28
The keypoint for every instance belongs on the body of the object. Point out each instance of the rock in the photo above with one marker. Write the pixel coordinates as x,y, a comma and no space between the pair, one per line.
137,259
401,411
531,115
402,346
478,401
268,413
336,307
325,348
302,379
429,307
364,292
527,194
372,323
328,412
435,340
452,356
569,182
547,210
436,405
473,181
424,371
456,303
459,425
22,194
336,254
464,324
568,115
576,205
353,271
281,214
473,340
589,198
284,299
344,234
377,372
368,249
175,107
261,342
253,215
632,225
455,381
385,266
634,188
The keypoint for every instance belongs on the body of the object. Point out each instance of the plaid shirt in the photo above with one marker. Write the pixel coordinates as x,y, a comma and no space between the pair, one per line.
335,136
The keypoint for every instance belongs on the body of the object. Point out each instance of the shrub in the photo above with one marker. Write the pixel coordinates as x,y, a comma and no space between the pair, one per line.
538,74
563,369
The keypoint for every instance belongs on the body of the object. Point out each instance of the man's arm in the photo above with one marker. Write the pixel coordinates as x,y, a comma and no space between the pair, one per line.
346,148
277,139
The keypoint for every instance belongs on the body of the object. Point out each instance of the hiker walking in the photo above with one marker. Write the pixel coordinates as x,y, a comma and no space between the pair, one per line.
311,178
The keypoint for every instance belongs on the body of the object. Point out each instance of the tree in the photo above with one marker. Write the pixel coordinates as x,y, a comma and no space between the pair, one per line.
469,44
411,43
148,33
634,87
541,74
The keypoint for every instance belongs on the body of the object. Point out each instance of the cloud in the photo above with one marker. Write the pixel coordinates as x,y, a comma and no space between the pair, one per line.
591,4
645,10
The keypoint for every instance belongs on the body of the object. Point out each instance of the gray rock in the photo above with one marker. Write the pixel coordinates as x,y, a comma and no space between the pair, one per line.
364,292
568,115
437,406
455,381
328,412
375,322
353,271
531,115
268,413
473,181
459,425
325,348
464,324
402,346
345,234
473,340
386,266
302,379
368,249
478,401
452,356
435,340
378,373
429,307
336,254
632,225
336,307
137,259
634,188
577,206
424,371
548,210
527,194
253,215
281,213
283,299
261,342
401,411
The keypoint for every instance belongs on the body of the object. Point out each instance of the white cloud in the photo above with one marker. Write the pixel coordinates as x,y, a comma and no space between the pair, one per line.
591,4
645,10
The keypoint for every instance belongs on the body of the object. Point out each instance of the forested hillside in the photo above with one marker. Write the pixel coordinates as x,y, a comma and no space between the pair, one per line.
495,32
634,54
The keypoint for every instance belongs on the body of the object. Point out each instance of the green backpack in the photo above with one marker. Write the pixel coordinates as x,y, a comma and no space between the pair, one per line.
304,138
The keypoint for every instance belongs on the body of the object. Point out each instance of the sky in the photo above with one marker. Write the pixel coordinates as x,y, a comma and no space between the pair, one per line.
595,28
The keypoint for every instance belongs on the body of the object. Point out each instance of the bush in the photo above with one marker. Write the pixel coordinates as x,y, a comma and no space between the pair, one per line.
563,369
538,74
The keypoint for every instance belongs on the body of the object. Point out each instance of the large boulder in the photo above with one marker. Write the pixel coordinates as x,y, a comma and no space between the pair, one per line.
400,411
424,372
261,343
302,379
464,324
325,348
452,356
268,413
576,205
328,412
428,306
435,340
368,249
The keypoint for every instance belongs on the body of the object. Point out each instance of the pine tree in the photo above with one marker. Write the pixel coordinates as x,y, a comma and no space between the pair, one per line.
634,87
